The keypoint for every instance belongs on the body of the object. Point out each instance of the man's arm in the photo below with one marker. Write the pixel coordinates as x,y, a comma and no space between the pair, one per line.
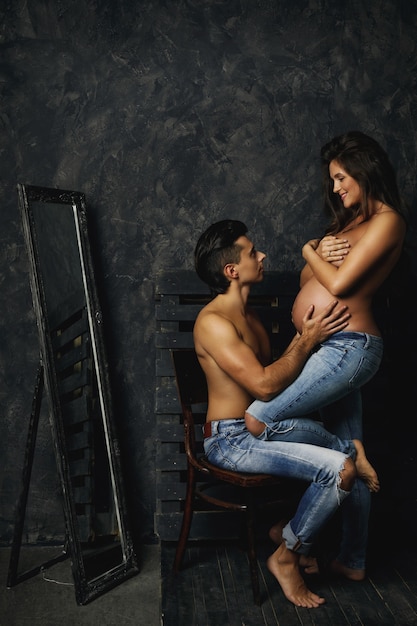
218,339
315,330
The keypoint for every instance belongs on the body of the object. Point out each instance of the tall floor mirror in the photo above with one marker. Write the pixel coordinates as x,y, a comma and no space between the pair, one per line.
73,379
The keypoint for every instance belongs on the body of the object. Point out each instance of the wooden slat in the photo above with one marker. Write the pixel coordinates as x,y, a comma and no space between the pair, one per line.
81,467
167,491
83,495
171,310
70,333
78,354
174,461
76,410
75,381
169,429
166,341
79,441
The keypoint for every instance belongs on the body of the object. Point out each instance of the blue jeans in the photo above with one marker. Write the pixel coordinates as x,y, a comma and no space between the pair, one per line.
340,365
232,447
330,382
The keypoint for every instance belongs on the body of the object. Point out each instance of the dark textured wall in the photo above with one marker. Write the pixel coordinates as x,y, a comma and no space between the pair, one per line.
169,115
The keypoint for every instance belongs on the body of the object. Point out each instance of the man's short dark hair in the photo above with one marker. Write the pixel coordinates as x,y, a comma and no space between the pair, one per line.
216,248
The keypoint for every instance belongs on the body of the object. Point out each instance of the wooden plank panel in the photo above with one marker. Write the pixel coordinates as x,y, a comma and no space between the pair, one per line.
77,410
170,429
74,381
174,340
187,282
171,310
179,282
68,334
75,355
79,441
171,461
166,399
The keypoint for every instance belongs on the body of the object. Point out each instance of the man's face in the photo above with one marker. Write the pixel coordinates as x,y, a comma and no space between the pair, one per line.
250,266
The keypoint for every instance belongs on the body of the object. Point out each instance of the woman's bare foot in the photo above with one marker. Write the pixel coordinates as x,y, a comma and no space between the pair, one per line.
308,563
284,565
365,470
348,572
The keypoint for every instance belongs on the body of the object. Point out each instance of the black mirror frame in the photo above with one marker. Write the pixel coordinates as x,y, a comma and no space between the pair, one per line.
85,589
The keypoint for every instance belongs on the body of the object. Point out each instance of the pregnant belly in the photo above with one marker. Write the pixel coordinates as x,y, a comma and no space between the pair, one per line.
312,293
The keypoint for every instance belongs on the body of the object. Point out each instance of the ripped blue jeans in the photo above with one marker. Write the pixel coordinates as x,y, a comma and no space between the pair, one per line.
330,383
232,447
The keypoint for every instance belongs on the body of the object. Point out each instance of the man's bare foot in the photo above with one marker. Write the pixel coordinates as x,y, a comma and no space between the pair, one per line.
284,565
365,470
347,572
308,563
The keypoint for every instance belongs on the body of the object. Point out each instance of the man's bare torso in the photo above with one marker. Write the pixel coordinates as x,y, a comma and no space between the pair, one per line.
227,399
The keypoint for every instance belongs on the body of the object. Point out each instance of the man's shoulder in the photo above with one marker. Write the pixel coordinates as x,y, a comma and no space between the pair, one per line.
209,311
213,317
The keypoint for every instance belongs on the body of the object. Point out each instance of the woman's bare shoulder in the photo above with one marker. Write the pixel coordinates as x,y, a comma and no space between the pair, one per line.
388,218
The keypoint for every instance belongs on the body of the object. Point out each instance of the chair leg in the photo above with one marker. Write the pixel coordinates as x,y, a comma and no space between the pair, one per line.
186,518
253,561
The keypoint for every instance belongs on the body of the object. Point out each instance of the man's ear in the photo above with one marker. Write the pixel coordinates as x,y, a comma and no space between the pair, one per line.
230,271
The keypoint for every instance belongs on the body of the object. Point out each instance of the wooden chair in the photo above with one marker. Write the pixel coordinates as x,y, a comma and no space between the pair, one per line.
192,393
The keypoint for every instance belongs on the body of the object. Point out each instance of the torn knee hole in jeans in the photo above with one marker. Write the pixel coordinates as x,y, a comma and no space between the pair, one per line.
347,475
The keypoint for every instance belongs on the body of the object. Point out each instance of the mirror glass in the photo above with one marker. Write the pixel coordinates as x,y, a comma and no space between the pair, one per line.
77,388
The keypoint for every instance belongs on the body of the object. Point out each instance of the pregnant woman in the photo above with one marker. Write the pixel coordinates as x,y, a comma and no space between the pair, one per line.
362,245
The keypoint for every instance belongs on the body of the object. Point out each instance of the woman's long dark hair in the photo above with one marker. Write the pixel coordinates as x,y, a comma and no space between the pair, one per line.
367,162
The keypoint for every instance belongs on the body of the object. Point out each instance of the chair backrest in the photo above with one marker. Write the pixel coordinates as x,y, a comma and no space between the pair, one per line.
192,394
190,378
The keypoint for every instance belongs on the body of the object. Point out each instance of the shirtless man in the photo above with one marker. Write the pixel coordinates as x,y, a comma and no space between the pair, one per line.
233,349
364,243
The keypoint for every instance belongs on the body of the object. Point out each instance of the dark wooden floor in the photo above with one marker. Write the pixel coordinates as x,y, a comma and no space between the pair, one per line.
213,589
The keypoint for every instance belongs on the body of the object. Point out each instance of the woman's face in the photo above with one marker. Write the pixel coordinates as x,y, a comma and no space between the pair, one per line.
344,185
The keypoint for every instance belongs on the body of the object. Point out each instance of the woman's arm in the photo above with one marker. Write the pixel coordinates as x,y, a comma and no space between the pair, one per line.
331,249
383,236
